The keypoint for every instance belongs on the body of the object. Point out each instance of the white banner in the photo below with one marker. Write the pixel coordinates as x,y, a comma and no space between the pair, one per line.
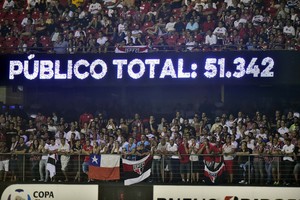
131,49
50,192
224,193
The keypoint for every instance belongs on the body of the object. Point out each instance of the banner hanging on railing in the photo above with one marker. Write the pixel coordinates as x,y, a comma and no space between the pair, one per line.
104,167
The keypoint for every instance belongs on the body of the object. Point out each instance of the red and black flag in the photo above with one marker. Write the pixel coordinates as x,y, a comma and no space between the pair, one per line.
136,171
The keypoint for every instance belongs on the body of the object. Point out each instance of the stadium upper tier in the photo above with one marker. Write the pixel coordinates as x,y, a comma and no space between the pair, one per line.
94,26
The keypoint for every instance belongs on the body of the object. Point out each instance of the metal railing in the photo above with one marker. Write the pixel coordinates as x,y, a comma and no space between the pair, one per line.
151,48
264,169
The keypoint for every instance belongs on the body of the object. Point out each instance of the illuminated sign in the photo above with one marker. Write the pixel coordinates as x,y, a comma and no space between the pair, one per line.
50,192
153,68
224,193
136,68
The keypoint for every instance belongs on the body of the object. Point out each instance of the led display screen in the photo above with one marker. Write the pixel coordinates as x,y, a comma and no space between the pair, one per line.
240,67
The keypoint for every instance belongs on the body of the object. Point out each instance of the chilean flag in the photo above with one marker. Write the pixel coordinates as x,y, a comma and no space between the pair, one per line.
136,171
104,167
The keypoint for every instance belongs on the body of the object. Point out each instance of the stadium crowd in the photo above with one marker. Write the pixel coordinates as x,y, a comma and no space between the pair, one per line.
180,146
92,26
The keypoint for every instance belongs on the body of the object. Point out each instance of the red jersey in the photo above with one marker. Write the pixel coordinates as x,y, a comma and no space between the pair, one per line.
185,157
212,149
85,118
145,7
87,148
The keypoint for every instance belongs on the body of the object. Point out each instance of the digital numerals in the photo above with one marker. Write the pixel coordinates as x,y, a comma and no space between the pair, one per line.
216,67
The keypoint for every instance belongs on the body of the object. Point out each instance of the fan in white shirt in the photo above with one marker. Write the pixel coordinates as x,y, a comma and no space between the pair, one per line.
220,31
288,29
210,39
283,129
94,7
170,26
69,134
8,4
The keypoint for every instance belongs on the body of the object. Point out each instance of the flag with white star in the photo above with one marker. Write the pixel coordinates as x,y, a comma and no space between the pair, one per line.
104,167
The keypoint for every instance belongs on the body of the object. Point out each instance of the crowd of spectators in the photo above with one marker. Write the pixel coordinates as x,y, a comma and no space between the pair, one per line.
177,145
79,26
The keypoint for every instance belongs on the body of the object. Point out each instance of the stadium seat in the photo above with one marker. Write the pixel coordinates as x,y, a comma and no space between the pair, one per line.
25,38
47,45
91,31
2,14
30,41
147,25
198,38
2,20
35,15
46,15
12,47
176,12
156,40
21,16
2,39
157,5
10,39
44,39
2,47
12,15
171,41
181,39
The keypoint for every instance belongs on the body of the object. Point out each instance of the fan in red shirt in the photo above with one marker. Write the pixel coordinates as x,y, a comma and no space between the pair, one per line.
214,166
87,149
85,118
185,167
208,148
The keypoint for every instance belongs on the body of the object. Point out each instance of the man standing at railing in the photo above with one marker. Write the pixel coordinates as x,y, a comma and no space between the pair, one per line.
21,148
172,150
162,150
185,166
194,158
228,150
52,158
297,158
87,149
288,161
130,149
64,151
43,161
206,148
4,161
243,160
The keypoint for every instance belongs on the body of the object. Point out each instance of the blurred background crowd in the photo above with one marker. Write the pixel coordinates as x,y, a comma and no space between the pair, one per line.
92,26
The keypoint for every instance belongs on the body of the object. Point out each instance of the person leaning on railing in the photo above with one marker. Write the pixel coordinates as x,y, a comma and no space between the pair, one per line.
228,150
64,151
20,149
183,152
172,150
194,158
156,162
288,161
297,159
243,162
35,158
87,149
4,161
75,159
43,161
258,161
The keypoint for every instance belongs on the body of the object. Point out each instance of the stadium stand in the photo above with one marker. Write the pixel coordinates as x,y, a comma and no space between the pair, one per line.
248,25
